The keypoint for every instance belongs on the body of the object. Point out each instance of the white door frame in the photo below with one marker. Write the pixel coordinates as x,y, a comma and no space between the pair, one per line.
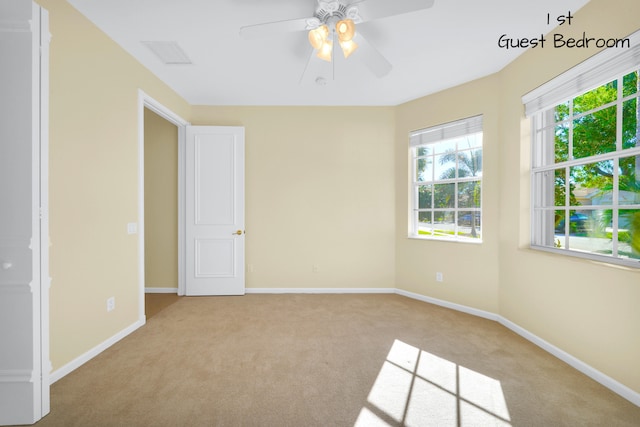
145,101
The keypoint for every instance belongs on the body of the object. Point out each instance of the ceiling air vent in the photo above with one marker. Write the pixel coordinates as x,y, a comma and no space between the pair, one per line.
168,52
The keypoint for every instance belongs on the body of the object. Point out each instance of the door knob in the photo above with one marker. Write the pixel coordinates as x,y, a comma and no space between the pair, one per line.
7,265
239,233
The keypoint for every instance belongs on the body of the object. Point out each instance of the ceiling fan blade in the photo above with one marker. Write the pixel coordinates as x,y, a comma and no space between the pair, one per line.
376,9
273,28
373,59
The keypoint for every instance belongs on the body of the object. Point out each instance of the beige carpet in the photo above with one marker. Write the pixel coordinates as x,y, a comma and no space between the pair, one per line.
328,360
155,303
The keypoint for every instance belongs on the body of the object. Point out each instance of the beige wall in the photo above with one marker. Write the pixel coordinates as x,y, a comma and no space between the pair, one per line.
470,270
93,181
160,202
587,309
319,192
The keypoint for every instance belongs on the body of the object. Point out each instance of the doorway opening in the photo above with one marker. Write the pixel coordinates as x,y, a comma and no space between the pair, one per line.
161,212
161,194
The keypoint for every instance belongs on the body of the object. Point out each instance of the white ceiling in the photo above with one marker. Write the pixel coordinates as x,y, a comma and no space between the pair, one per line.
453,42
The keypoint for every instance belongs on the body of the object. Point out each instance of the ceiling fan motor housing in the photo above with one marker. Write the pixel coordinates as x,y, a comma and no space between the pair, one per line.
332,11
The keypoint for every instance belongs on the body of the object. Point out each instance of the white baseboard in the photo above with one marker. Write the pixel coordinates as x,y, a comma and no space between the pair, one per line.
613,385
84,358
320,290
447,304
157,290
576,363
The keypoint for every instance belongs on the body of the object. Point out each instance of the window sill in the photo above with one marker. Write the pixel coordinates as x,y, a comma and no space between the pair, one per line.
443,239
600,259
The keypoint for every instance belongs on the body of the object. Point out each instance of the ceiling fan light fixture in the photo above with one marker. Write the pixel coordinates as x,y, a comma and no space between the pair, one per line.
318,37
348,47
325,51
345,29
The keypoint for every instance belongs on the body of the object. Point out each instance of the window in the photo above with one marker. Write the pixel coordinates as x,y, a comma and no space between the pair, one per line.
586,162
446,183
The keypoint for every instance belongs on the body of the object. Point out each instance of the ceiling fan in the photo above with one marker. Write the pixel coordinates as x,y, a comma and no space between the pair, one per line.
334,23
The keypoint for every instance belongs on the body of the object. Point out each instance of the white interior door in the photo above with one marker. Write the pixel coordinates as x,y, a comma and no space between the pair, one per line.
214,212
24,275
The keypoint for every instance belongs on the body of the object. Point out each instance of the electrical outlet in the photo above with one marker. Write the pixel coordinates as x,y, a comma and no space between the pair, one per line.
315,268
132,228
111,303
439,277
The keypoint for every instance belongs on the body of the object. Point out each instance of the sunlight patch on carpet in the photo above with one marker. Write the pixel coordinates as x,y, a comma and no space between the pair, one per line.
417,388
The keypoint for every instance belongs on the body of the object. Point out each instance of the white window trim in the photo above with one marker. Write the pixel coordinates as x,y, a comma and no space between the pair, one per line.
433,135
590,74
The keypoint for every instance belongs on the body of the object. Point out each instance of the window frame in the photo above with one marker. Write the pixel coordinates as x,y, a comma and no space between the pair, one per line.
601,69
444,133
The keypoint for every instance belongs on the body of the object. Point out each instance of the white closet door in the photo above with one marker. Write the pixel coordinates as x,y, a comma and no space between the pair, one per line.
24,280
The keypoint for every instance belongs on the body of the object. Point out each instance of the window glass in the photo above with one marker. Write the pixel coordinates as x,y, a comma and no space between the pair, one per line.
629,233
445,147
562,142
424,223
630,85
595,133
592,183
444,195
597,97
470,141
469,194
447,182
445,166
424,164
424,196
560,227
561,112
586,173
629,181
560,187
630,130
